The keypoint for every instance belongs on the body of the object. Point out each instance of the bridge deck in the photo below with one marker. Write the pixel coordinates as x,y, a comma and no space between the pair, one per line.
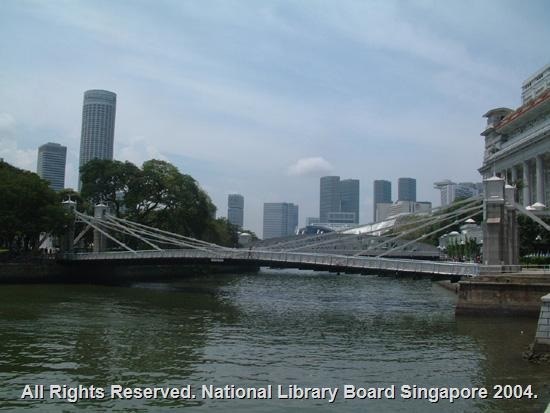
286,259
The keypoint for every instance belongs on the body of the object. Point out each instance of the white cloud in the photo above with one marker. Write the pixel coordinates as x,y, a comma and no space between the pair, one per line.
139,151
21,158
310,166
9,150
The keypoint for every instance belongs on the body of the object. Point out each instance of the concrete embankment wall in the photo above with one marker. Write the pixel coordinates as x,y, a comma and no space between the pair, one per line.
53,272
502,295
35,272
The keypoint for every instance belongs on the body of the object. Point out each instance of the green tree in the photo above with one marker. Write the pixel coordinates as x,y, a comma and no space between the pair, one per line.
157,195
108,181
28,208
220,231
533,238
167,199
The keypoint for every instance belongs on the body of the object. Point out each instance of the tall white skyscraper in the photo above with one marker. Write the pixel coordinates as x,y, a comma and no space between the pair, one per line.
98,126
51,164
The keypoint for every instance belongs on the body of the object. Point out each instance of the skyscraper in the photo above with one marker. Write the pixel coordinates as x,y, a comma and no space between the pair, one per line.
329,196
382,194
451,191
98,126
406,189
280,219
235,209
51,164
349,197
336,197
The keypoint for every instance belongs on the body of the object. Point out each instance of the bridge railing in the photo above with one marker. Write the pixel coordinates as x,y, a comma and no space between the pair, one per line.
274,257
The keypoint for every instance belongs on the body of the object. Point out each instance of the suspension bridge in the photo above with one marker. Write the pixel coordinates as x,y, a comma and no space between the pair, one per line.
376,248
137,243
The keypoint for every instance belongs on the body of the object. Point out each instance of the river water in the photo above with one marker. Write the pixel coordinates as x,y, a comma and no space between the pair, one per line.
274,328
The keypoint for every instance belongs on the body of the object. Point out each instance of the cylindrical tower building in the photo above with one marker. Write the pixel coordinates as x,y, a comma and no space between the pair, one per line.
98,126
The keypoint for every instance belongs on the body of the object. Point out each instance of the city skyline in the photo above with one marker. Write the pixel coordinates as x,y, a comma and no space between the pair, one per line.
268,105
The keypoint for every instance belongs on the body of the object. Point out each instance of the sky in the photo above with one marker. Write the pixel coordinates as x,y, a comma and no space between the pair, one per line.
262,98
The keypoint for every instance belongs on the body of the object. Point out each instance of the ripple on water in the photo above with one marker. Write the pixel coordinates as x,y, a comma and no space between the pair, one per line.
276,327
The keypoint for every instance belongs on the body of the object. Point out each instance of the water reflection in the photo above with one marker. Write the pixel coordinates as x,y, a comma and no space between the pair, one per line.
277,327
501,343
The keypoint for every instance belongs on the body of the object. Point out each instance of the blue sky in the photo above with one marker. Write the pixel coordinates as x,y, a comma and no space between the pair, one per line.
264,97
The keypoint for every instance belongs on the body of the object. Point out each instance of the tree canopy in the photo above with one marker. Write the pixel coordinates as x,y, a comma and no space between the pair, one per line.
157,194
107,181
28,208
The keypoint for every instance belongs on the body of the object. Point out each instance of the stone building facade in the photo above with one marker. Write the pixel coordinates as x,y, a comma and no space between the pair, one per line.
517,142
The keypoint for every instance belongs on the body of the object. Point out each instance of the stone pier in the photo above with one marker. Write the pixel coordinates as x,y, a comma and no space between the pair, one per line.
542,338
506,295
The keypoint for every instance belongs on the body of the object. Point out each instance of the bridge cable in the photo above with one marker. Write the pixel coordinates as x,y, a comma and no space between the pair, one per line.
426,221
150,229
81,216
105,224
319,237
521,209
160,238
427,235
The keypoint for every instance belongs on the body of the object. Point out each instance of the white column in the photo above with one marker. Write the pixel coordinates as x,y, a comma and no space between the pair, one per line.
540,178
526,185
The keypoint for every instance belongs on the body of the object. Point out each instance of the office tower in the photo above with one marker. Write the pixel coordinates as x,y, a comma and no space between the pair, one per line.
329,196
98,126
406,189
409,207
349,197
451,191
536,85
382,194
235,209
280,219
292,220
338,200
51,164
